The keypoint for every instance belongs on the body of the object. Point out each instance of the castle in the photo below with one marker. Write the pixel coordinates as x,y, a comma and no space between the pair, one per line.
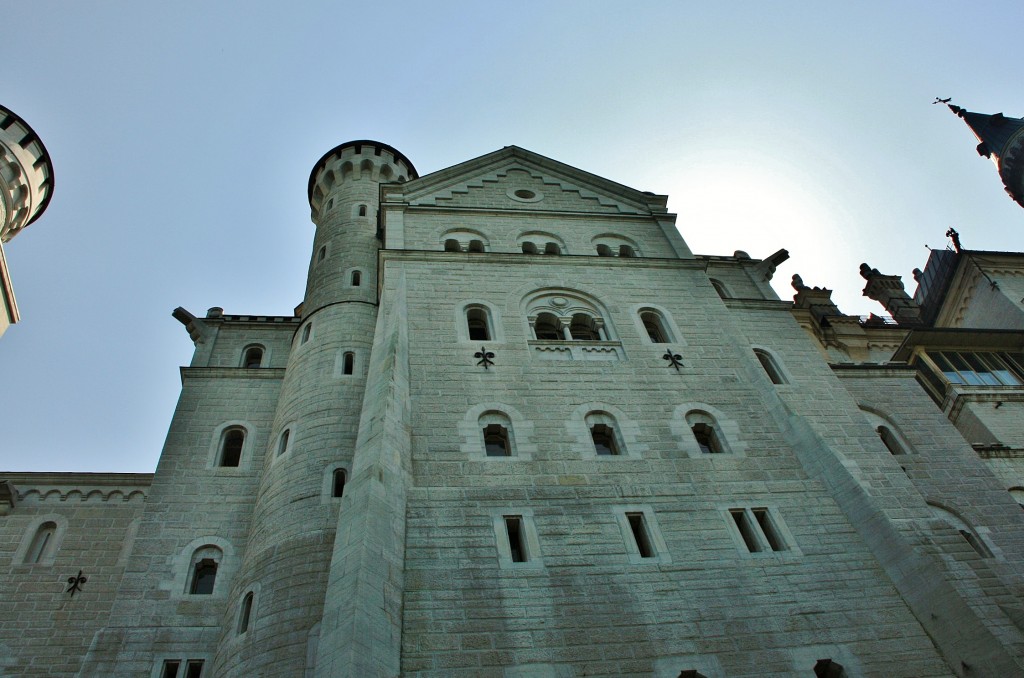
517,428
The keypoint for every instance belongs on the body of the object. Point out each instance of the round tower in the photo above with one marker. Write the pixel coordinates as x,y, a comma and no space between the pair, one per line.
288,555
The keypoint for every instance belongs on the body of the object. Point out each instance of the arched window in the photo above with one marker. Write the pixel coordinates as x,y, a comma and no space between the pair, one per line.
203,570
529,248
604,434
889,440
604,251
705,431
552,248
338,482
321,253
244,612
720,288
231,445
654,323
548,328
252,357
283,441
626,251
968,533
357,278
476,246
770,368
584,328
452,245
362,210
478,324
826,668
497,434
348,362
43,544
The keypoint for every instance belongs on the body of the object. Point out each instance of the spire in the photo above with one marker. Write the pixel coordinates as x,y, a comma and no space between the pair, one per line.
1001,139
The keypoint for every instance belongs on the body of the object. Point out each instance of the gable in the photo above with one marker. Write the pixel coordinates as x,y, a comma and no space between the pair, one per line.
514,179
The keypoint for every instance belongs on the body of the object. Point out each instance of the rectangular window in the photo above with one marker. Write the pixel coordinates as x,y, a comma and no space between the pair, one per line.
194,668
764,521
516,538
993,368
758,530
640,536
746,530
170,669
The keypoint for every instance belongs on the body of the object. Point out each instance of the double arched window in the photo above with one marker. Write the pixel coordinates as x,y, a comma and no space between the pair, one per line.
540,242
566,316
464,240
615,246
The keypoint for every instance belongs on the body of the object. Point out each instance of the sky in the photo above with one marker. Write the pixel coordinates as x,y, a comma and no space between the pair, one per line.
182,136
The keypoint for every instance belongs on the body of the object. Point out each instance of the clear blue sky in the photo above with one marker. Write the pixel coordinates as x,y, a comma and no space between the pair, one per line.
182,135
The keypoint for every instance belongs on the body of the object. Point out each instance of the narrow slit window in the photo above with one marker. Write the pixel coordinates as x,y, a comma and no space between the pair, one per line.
362,210
244,613
638,525
204,576
719,288
764,521
770,368
603,436
321,254
231,447
253,357
41,547
338,483
975,543
707,438
171,667
357,278
282,443
746,530
516,538
348,362
496,441
476,322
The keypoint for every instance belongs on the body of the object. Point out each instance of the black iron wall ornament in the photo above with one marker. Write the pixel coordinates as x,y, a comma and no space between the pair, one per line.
485,357
674,360
75,583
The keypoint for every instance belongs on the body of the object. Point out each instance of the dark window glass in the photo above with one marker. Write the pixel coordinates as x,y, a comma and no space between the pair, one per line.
496,441
548,328
516,543
655,328
253,357
357,278
604,439
707,438
243,615
203,577
338,483
348,362
170,669
639,528
231,451
476,320
582,328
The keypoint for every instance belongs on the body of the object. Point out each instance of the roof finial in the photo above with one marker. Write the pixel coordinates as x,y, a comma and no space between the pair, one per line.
955,237
942,101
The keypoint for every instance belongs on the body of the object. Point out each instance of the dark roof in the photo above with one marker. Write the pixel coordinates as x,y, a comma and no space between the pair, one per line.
993,131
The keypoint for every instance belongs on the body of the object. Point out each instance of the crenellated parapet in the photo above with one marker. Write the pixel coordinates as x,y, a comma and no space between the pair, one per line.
26,175
355,161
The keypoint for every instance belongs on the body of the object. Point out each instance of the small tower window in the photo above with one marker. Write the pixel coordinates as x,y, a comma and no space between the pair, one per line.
357,278
204,575
244,613
321,254
282,443
348,362
231,447
604,251
496,441
362,210
476,246
770,368
253,357
306,332
547,328
707,439
42,546
452,245
338,483
655,326
476,322
529,248
552,248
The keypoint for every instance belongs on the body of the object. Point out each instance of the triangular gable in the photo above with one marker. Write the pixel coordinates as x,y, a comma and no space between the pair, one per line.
506,178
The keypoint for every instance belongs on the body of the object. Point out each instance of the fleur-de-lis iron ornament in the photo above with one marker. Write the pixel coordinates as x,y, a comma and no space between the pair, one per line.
485,357
674,359
75,583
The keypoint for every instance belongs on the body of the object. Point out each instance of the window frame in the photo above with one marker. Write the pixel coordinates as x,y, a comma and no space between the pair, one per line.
529,539
626,516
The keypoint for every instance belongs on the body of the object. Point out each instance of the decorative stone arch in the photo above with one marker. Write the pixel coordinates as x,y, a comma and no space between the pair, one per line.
367,170
327,484
628,432
182,565
675,337
494,323
471,433
773,357
541,240
728,430
614,243
358,363
975,536
216,440
52,546
566,304
889,433
466,238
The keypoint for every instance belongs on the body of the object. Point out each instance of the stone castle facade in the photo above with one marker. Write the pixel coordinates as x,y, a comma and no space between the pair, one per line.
517,428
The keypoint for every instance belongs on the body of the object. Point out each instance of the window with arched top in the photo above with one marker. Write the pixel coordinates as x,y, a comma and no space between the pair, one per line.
584,327
306,332
252,357
245,612
966,531
706,432
348,362
889,440
548,328
529,247
478,323
476,246
604,251
552,248
655,325
338,478
231,443
890,435
202,575
613,245
452,245
496,429
362,210
720,289
321,254
604,434
43,546
626,251
827,668
284,441
771,368
357,278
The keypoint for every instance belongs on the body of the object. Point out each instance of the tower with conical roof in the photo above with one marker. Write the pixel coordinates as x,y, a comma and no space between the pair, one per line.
1001,139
